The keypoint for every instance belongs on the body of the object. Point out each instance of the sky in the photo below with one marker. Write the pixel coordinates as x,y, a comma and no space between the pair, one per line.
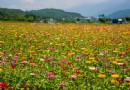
84,7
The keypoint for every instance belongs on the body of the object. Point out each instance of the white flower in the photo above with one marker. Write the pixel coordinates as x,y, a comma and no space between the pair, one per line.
92,68
32,74
41,59
120,63
10,55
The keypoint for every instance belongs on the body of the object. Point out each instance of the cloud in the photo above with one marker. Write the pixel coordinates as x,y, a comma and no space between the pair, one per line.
28,1
39,4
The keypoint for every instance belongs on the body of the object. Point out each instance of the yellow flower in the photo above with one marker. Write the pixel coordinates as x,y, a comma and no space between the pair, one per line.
115,75
1,70
1,53
83,48
114,62
129,83
94,61
113,81
88,62
91,58
115,51
101,75
69,55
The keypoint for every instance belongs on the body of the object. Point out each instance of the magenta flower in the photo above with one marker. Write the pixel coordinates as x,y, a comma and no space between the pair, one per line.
12,63
63,61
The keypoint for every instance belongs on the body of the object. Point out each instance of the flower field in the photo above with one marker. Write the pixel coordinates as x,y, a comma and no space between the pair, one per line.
36,56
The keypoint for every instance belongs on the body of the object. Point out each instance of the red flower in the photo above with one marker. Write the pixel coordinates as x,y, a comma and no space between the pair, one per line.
51,71
69,63
78,72
4,85
124,64
95,54
26,86
13,67
119,80
65,75
95,71
87,54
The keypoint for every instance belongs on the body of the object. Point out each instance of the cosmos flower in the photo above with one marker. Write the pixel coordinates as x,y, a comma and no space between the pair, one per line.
50,74
25,86
13,66
73,76
124,64
63,61
15,58
78,72
92,68
4,85
62,84
1,70
32,74
113,81
127,79
101,75
24,62
119,80
115,76
12,63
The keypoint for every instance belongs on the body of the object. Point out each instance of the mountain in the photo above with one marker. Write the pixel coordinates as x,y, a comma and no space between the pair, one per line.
54,13
120,14
36,15
10,14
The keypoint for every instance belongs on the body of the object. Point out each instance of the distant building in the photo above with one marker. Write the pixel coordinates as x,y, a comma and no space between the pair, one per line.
51,20
119,21
89,19
41,21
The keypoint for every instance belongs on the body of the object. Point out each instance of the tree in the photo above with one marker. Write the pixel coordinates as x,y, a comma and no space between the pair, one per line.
103,20
127,19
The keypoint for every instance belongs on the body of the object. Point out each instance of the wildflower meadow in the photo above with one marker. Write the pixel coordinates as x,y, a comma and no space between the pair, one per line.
42,56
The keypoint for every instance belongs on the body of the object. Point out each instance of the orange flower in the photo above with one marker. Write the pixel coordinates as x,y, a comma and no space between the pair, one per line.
101,75
115,75
113,81
24,58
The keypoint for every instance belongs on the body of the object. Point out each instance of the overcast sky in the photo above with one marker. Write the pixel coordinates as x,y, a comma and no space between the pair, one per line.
80,6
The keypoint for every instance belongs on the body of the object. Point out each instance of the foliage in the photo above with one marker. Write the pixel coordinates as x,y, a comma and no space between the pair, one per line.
36,15
127,19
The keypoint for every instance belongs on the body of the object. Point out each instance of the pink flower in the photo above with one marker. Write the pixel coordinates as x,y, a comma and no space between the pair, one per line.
12,63
73,76
62,84
15,58
50,74
127,79
25,62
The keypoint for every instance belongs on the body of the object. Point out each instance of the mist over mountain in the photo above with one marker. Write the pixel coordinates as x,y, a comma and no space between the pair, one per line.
120,14
101,8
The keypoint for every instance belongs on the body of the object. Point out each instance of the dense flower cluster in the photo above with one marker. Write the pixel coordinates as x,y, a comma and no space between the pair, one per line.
39,56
